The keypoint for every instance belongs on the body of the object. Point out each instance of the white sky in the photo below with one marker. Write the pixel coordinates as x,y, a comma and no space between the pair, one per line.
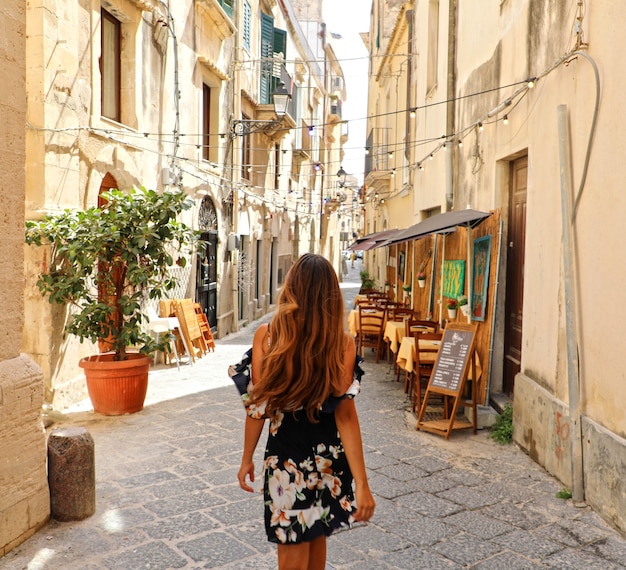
348,18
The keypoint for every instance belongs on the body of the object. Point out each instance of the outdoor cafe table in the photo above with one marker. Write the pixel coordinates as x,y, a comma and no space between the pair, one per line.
406,354
360,298
354,322
395,332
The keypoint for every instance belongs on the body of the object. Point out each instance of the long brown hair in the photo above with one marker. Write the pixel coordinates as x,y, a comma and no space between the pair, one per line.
304,362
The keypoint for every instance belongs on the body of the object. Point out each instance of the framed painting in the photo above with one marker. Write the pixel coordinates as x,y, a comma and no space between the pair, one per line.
401,263
453,278
480,277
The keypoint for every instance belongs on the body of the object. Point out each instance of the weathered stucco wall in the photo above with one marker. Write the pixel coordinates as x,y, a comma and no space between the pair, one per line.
529,38
24,499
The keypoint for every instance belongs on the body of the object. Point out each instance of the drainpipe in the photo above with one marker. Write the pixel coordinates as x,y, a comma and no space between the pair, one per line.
450,106
573,379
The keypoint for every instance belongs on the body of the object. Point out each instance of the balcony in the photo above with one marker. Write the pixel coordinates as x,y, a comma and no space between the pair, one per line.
334,110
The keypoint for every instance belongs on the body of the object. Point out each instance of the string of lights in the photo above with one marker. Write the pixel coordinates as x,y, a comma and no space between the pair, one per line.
443,142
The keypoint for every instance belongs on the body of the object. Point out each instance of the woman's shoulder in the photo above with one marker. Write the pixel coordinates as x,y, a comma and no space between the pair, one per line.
261,332
349,342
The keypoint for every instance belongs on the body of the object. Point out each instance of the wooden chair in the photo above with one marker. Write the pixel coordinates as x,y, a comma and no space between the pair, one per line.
190,329
412,326
371,328
365,291
205,329
395,312
374,295
423,366
401,312
426,326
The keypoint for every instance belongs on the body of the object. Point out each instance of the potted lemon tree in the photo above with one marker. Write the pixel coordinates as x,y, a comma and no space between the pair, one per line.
105,263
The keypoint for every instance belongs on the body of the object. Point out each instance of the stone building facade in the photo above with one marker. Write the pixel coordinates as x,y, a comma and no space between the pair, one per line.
102,94
518,110
24,499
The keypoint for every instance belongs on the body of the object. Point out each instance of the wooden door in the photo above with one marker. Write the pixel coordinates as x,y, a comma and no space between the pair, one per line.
515,273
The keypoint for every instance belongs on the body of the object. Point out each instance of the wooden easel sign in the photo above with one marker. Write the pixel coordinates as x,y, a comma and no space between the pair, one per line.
449,378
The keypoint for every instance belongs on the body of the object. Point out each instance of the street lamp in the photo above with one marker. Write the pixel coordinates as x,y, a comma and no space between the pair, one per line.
280,99
341,174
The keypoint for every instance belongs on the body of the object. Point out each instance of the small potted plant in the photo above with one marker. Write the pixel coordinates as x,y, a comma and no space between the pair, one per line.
463,305
105,262
421,270
407,294
452,305
367,281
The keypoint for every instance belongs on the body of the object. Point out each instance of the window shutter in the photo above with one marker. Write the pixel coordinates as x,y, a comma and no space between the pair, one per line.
279,48
267,54
228,6
246,24
280,43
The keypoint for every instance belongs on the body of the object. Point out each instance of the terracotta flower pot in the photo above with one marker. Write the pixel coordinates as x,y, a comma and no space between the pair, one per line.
116,388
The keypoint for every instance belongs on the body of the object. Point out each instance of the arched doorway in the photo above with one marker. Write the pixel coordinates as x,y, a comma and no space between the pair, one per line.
206,271
108,183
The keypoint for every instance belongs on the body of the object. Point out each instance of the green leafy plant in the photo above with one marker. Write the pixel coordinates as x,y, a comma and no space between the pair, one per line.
461,300
367,281
106,261
502,429
564,494
406,288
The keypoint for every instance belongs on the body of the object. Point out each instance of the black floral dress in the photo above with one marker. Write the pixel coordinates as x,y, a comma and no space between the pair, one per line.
307,481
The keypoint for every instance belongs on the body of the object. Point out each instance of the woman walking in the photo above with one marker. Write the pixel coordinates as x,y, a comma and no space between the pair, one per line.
303,380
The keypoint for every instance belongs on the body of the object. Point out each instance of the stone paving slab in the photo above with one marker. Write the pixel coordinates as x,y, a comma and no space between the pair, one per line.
167,496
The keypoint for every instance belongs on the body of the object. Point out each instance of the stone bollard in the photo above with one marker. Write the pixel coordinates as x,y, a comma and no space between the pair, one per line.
71,474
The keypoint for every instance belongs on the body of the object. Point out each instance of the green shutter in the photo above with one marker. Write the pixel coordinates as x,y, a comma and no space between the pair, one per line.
267,53
280,42
228,6
279,45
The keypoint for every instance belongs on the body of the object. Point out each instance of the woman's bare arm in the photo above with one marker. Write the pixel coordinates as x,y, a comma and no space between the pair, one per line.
350,433
254,427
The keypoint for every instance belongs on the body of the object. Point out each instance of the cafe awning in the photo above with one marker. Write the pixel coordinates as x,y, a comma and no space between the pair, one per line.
441,223
373,240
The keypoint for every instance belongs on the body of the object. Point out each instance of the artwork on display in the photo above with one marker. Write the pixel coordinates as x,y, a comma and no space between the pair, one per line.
401,262
453,278
480,277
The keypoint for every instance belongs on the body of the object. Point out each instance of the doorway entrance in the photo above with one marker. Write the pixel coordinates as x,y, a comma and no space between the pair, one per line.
206,270
514,301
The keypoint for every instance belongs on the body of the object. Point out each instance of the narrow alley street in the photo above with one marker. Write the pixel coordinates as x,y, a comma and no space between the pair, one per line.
167,493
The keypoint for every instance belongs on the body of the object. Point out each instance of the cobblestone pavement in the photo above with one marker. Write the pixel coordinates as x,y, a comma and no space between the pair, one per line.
167,495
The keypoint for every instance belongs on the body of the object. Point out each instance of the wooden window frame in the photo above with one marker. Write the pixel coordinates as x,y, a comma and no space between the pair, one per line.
206,122
116,63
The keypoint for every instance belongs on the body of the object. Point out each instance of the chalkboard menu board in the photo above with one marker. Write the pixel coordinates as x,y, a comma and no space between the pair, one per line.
451,364
449,377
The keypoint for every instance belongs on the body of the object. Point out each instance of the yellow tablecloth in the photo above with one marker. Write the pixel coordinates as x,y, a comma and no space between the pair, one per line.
394,333
354,321
406,355
359,298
